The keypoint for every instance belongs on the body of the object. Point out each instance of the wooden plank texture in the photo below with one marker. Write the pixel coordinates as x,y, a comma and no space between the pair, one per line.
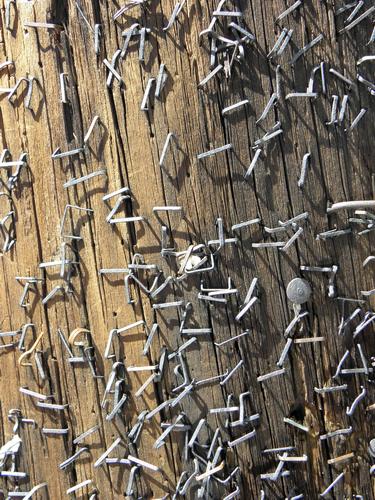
128,142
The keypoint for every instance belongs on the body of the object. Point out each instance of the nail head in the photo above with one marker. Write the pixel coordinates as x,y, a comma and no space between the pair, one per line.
298,291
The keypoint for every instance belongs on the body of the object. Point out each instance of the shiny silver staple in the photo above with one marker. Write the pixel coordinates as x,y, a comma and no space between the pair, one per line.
278,43
74,181
142,463
324,390
254,161
358,20
177,9
146,95
165,147
335,101
52,406
124,190
246,308
341,77
72,459
216,70
213,152
94,121
342,111
275,373
63,97
286,40
288,11
332,485
97,33
296,424
285,351
102,457
78,486
237,105
307,47
58,432
305,163
112,71
241,439
52,293
291,240
33,394
231,373
356,120
57,154
232,339
361,395
338,432
160,80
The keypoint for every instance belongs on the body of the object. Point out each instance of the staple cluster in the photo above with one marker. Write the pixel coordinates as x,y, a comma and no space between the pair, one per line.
187,207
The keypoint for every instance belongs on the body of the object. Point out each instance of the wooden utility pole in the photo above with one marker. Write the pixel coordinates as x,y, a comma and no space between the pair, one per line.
112,113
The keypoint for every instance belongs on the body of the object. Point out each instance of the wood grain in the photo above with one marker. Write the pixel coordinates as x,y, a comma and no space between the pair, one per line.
128,144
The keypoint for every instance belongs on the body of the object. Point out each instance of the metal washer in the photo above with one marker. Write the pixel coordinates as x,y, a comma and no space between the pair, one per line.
298,291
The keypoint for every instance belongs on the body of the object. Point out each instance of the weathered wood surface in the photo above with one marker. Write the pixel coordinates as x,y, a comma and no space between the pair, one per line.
128,144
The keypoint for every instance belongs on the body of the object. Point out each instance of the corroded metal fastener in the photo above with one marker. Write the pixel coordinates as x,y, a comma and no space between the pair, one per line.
298,291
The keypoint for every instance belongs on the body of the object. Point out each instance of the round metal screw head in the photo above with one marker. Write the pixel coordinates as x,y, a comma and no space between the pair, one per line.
298,291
